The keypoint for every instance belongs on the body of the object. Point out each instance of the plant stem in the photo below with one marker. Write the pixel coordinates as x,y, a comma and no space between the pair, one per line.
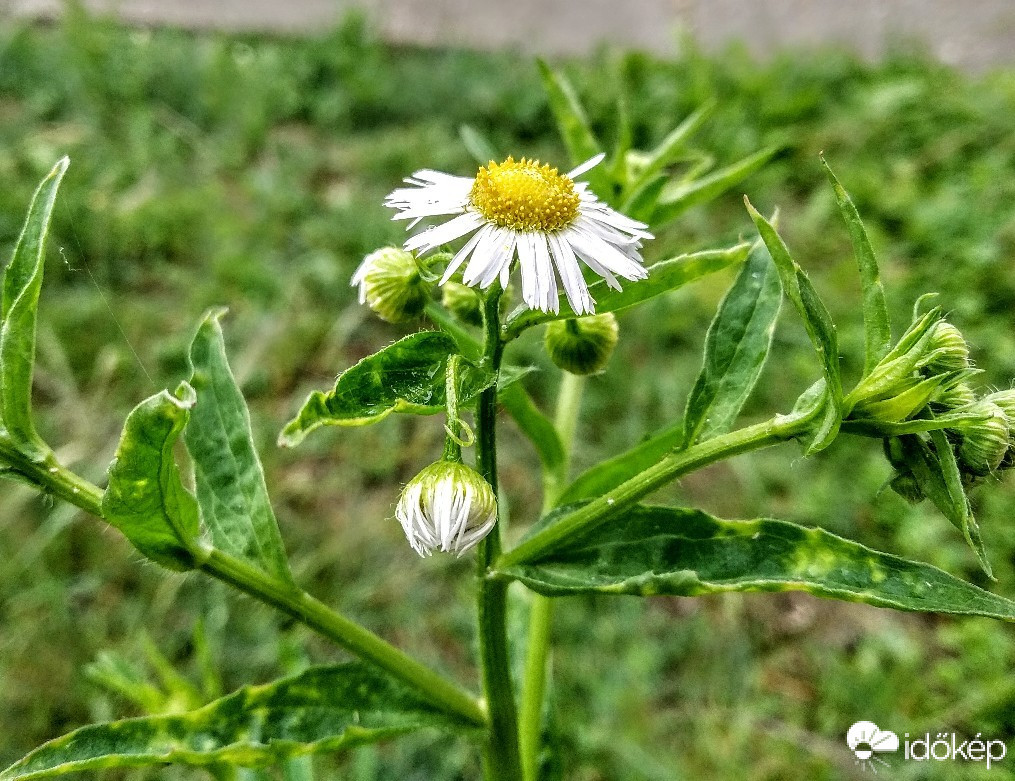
600,510
59,481
534,684
361,641
537,652
501,757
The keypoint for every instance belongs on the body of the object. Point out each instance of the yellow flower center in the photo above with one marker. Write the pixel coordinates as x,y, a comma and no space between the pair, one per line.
524,196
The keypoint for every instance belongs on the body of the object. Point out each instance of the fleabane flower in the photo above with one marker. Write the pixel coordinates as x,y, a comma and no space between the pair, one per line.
448,507
525,210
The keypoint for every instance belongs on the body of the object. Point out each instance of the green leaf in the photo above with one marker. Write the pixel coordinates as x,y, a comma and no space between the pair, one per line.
736,347
817,321
574,127
608,474
662,277
19,306
477,145
678,198
230,481
664,550
669,149
321,709
877,327
937,473
405,377
535,425
145,498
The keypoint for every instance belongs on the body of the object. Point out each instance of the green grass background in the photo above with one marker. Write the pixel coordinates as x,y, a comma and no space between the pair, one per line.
249,171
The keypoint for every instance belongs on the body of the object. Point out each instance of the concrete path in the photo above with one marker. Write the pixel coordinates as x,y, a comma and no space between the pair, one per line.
971,33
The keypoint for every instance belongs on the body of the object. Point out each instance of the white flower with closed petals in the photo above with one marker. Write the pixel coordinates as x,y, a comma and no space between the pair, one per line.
528,211
448,507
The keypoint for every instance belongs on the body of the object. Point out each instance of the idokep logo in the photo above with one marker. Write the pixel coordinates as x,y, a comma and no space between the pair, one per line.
865,738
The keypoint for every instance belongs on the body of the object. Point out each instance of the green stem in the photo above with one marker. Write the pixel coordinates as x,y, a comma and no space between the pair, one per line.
537,653
501,757
602,509
61,482
537,672
361,641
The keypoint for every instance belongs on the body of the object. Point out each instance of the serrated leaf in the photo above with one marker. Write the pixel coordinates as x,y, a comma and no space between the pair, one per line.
145,498
736,347
574,127
608,474
663,277
817,322
321,709
666,550
227,471
406,377
22,283
937,473
877,327
678,198
538,428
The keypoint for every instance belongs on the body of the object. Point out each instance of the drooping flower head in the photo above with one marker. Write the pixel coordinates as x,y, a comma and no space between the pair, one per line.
525,210
448,507
391,284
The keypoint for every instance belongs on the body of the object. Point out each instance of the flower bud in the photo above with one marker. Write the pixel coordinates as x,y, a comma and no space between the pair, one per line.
448,507
949,397
948,349
582,346
463,302
984,442
390,283
1006,401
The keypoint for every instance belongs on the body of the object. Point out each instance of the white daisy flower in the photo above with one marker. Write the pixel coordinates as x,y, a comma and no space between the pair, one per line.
526,210
449,507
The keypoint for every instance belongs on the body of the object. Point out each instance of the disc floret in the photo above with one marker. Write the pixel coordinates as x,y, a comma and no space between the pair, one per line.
525,196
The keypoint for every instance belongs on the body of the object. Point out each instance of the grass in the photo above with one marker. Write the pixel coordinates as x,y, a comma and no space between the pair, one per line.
249,172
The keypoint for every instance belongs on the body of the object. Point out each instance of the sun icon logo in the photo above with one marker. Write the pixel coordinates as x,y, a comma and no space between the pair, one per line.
865,739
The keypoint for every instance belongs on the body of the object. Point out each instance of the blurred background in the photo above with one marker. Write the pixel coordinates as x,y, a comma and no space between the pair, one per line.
238,154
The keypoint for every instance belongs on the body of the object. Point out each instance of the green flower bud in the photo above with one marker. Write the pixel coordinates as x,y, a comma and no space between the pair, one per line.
582,346
984,442
906,486
1006,401
463,302
948,350
390,283
448,507
954,396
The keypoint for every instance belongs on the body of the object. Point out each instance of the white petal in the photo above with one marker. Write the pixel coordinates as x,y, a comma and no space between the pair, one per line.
545,276
486,256
434,237
462,255
607,255
529,272
598,267
600,212
571,276
588,165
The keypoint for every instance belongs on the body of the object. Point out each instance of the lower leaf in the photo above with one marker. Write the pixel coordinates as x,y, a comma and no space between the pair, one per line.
685,552
321,709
